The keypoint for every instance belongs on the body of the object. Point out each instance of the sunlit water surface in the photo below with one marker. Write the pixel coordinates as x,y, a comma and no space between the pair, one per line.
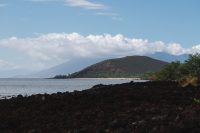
14,87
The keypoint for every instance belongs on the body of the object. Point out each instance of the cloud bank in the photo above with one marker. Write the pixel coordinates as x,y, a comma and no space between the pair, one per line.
54,48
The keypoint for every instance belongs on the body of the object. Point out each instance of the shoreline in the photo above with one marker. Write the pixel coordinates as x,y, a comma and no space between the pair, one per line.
109,78
76,84
159,106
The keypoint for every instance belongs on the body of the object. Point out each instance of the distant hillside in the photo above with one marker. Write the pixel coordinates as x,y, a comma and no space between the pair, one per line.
130,66
168,57
81,63
66,68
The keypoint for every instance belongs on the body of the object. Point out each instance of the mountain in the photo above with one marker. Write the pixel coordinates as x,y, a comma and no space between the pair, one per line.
168,57
65,68
79,64
130,66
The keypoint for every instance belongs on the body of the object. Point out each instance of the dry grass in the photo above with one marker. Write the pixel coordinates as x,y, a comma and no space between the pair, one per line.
190,80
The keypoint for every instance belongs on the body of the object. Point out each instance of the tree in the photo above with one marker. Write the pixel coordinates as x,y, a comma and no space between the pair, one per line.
193,65
188,72
171,71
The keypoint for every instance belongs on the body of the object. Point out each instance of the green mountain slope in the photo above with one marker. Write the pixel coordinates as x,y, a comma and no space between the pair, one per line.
126,67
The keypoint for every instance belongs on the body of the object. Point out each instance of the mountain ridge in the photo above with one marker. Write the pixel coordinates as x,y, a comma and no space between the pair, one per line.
125,67
80,63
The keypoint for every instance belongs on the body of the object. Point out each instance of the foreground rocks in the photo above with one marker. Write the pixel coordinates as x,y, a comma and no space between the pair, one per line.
132,107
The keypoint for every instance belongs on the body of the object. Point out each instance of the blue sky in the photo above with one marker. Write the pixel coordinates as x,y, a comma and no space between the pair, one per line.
165,20
31,30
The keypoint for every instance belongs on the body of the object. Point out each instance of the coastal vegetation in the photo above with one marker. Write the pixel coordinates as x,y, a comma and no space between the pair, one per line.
189,69
60,77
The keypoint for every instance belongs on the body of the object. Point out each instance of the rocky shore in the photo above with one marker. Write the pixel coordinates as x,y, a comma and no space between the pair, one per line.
153,107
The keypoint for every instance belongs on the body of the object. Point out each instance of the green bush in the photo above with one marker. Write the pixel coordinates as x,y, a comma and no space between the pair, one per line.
171,71
178,71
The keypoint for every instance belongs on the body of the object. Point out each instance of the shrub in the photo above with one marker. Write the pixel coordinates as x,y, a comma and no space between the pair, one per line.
179,71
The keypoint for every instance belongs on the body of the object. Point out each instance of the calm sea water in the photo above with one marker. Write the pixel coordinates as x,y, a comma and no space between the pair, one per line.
14,87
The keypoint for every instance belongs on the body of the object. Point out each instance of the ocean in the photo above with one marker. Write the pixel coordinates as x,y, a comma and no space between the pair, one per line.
26,87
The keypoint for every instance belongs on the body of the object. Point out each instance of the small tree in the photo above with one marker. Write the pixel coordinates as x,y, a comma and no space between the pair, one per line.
188,70
193,65
171,71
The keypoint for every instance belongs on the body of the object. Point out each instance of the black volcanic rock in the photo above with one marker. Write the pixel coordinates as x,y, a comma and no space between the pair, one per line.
157,107
129,66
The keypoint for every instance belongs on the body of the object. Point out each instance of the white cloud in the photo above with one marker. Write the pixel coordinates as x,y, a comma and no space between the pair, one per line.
195,49
86,4
54,48
175,49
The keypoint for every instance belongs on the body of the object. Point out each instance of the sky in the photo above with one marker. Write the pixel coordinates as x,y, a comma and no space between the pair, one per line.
39,34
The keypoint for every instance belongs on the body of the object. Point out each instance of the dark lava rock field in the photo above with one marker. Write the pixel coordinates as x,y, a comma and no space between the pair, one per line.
150,107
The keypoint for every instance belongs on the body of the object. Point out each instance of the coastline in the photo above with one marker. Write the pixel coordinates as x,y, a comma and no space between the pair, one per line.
41,86
109,78
128,107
